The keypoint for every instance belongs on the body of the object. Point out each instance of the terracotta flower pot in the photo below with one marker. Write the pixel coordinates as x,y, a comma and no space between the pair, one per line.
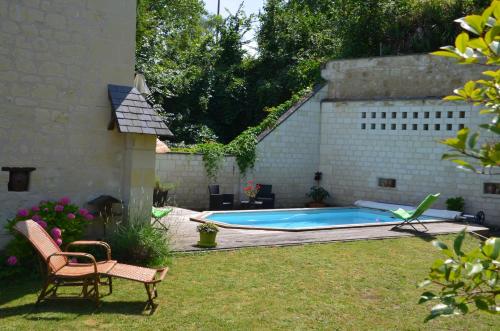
315,204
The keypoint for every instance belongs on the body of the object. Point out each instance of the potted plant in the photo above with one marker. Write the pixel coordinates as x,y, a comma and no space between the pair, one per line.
455,204
208,233
251,190
160,193
318,194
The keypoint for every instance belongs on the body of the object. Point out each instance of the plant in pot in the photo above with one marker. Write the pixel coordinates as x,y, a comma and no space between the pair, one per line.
455,204
318,194
208,233
251,190
160,193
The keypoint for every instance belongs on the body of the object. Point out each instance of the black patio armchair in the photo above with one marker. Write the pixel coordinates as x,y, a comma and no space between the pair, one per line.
266,196
219,201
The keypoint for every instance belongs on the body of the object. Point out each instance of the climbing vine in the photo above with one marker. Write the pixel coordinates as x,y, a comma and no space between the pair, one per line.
213,155
244,146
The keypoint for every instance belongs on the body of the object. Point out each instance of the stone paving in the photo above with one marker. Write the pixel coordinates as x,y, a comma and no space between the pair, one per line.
183,234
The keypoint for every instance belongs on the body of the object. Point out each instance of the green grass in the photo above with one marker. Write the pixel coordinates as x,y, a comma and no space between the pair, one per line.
353,286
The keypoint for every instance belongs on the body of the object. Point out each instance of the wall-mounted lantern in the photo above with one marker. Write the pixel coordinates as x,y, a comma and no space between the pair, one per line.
19,178
317,176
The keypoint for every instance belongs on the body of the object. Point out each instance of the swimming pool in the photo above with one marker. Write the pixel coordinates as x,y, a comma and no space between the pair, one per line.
302,219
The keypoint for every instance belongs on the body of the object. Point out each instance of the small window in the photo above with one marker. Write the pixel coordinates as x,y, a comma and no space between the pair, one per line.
437,127
405,114
438,114
491,188
394,114
415,114
450,114
363,126
403,126
372,126
363,115
393,126
374,115
461,114
426,114
426,127
461,126
415,127
19,178
383,114
382,126
449,127
386,182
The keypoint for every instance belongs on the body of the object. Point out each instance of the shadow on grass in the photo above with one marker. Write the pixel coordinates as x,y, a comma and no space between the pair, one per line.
31,311
419,234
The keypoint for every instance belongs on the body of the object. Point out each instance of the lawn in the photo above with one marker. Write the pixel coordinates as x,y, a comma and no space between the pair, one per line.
353,285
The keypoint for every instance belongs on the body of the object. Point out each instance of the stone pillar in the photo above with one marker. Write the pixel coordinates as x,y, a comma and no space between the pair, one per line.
139,176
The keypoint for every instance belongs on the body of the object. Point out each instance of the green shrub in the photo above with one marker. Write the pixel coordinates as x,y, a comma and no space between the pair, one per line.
455,204
140,243
64,221
318,194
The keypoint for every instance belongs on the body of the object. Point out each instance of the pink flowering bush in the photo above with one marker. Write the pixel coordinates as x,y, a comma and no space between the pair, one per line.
63,221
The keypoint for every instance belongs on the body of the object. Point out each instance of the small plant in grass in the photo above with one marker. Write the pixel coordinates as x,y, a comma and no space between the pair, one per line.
455,204
466,281
208,233
140,243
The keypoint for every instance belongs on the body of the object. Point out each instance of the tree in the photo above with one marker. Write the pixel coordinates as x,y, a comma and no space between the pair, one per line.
471,279
479,43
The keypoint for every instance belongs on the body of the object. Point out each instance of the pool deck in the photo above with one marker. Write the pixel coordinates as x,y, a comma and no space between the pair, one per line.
183,234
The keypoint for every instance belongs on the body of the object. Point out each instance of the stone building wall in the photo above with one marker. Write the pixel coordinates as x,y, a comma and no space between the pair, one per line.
56,59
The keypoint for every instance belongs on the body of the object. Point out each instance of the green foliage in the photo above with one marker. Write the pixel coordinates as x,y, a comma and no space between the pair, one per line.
210,89
318,194
243,147
64,221
159,185
140,243
213,155
208,227
466,280
479,43
456,204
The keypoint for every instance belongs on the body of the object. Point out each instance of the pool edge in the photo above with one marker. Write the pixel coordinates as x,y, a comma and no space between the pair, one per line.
201,218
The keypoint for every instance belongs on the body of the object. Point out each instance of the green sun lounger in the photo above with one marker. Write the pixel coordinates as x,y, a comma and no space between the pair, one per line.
412,216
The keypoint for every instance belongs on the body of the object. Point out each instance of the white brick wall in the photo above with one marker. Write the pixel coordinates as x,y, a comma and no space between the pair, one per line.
352,158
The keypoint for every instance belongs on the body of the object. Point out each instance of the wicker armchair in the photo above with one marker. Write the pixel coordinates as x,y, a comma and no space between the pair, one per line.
219,201
266,196
62,272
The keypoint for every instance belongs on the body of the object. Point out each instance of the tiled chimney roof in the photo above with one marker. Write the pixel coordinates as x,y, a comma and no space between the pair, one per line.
133,113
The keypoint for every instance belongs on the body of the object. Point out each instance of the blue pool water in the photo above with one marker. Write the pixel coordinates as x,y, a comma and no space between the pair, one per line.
297,219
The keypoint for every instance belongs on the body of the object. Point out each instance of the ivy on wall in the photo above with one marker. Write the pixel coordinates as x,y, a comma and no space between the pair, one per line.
244,146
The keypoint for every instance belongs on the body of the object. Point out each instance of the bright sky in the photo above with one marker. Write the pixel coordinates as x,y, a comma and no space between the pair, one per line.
249,6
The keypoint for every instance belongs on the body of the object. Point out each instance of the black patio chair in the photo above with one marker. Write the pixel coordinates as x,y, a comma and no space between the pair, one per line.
266,196
219,201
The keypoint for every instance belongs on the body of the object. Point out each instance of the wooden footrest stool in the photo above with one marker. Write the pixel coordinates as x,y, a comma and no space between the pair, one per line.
149,277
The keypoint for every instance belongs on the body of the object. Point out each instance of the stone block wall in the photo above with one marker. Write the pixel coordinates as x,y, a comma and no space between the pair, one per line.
362,141
288,156
187,173
401,77
56,59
